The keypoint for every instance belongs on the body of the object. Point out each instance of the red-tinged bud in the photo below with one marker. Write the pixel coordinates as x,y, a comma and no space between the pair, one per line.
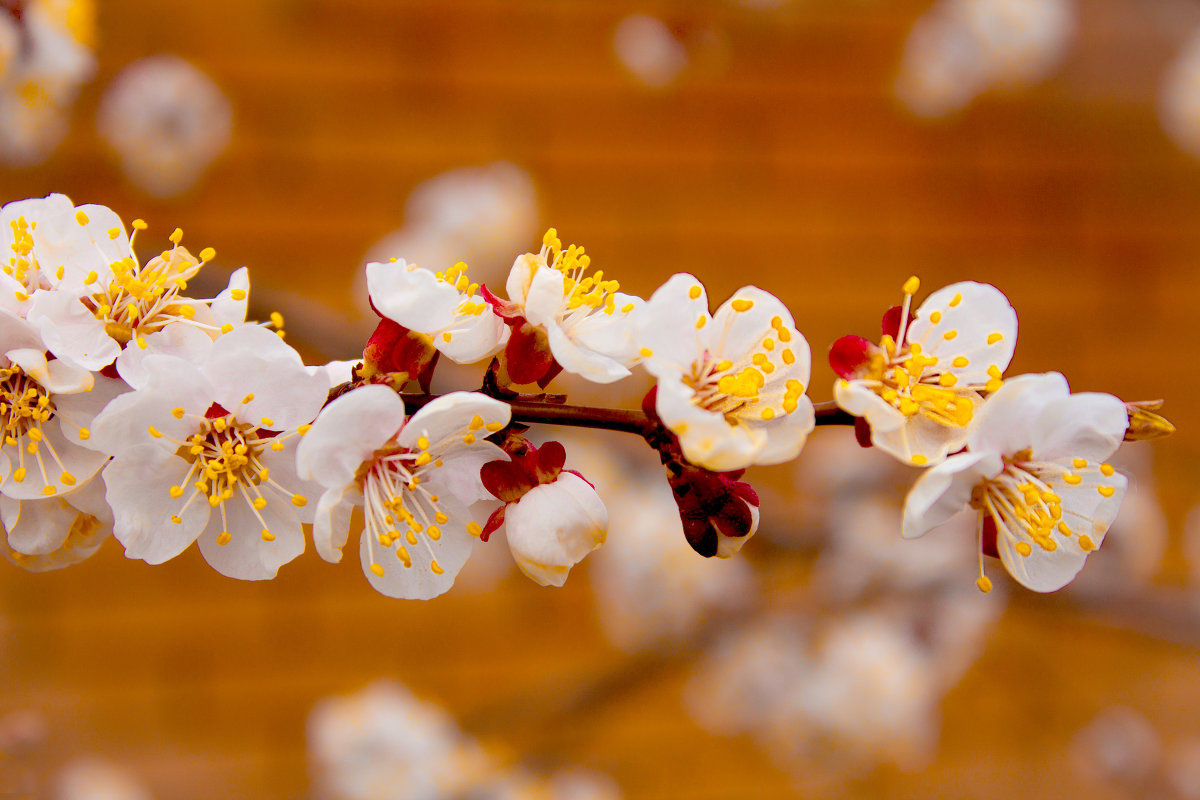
719,512
851,356
394,349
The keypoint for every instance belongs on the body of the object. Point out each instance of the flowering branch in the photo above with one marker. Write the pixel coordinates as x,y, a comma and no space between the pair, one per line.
129,406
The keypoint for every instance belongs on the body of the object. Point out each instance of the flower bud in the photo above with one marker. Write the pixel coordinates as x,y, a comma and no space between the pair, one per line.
1145,423
553,526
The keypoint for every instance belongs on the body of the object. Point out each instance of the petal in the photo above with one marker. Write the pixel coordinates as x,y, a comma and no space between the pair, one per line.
553,527
138,490
170,383
473,337
944,490
178,339
420,581
546,298
331,526
42,525
735,332
412,296
520,276
18,334
582,361
922,441
254,361
1087,425
669,326
706,439
980,324
246,554
225,309
1005,424
57,458
855,397
71,332
786,433
446,421
347,433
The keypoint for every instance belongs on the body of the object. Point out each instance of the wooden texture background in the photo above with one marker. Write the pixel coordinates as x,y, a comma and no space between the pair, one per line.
784,162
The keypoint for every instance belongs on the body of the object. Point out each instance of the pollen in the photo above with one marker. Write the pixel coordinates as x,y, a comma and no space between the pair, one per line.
1106,491
377,570
695,292
741,304
267,536
912,285
81,218
299,500
224,538
954,301
919,460
984,583
1107,470
646,352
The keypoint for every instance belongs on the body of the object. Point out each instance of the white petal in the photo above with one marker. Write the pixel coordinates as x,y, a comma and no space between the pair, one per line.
247,556
177,339
554,526
854,397
546,297
17,334
170,383
579,360
459,473
42,525
612,335
43,469
473,337
331,526
944,490
71,332
737,333
138,482
667,326
420,582
521,276
1005,425
922,441
347,434
981,315
225,309
412,296
447,420
706,439
253,361
1086,425
786,433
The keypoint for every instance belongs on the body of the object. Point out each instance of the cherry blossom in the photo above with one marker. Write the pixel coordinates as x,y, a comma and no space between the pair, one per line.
415,480
920,388
730,385
1035,471
443,306
207,451
563,318
552,517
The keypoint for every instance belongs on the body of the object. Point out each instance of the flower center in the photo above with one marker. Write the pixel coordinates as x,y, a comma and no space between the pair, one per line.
730,388
21,266
25,405
588,293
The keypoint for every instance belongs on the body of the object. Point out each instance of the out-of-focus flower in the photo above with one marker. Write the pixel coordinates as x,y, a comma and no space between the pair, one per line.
48,525
649,51
1178,106
45,58
563,318
443,306
1035,471
208,450
651,589
383,744
730,385
478,214
1119,746
93,779
416,482
959,49
920,388
166,121
552,517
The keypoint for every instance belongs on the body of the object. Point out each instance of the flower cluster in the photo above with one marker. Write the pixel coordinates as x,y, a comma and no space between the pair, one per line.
129,405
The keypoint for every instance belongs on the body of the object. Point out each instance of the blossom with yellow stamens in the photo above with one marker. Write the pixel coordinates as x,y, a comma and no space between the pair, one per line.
415,480
1035,471
730,385
207,451
920,389
583,320
444,306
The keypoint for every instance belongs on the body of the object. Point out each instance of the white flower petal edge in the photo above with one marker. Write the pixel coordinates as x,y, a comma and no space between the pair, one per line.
730,386
554,526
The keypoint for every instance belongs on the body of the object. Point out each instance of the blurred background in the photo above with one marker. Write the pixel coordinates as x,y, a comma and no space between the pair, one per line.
822,149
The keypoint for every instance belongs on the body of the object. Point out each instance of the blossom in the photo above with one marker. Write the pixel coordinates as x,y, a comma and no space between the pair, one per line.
56,529
443,306
414,480
920,388
730,385
109,302
552,517
1035,471
565,319
206,450
45,408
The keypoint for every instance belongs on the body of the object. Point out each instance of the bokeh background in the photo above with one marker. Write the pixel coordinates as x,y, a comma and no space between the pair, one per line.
823,149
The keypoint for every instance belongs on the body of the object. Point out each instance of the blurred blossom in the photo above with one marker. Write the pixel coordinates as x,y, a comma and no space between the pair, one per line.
1118,746
959,49
21,732
651,588
44,60
570,785
1179,98
480,215
383,743
93,779
166,121
1182,769
649,51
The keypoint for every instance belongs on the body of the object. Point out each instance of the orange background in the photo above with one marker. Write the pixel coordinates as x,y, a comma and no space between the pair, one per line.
780,159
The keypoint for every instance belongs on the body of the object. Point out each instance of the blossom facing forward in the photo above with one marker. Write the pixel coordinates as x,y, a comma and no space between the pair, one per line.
1035,470
415,481
730,385
920,389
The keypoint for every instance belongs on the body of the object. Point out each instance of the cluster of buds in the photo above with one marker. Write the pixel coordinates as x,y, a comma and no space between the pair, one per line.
129,406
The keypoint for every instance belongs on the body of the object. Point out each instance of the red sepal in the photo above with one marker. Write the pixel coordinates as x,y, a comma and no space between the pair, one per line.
493,524
862,432
890,324
851,355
